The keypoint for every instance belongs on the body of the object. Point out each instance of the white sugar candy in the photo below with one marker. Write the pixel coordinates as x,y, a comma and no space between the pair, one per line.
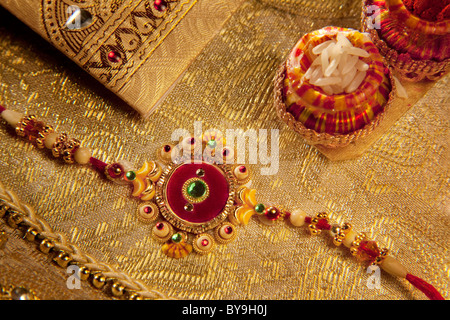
401,91
336,65
328,90
342,39
319,48
350,64
324,59
317,61
327,81
357,52
362,66
348,77
316,74
308,73
337,88
360,76
342,62
331,68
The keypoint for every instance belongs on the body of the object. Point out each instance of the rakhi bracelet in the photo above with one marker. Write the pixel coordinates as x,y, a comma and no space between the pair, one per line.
200,195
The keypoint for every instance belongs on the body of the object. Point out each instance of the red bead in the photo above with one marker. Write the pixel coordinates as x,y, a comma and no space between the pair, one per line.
160,226
148,209
272,213
113,56
160,5
225,152
32,130
167,148
228,229
192,140
368,251
205,242
115,171
242,169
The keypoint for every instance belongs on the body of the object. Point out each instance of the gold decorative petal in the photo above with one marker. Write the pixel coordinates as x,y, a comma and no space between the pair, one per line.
149,191
251,197
146,168
146,176
139,186
176,250
244,213
155,173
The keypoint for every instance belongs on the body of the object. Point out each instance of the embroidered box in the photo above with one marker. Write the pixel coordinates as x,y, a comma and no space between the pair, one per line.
135,48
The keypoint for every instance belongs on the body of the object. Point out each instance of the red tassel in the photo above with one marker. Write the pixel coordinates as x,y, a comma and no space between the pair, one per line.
425,287
98,164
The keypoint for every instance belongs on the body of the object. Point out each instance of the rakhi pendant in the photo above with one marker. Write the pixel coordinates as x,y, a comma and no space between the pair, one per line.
200,196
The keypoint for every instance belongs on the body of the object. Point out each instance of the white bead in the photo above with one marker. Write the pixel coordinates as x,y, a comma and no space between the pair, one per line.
224,234
166,155
349,238
50,140
297,217
240,175
190,143
12,117
161,233
82,155
201,246
229,157
393,267
144,215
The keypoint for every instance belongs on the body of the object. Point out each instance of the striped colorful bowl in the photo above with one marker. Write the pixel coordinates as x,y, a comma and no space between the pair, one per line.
332,120
417,49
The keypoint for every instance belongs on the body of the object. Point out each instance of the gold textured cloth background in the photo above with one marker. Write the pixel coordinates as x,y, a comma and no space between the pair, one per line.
397,192
154,46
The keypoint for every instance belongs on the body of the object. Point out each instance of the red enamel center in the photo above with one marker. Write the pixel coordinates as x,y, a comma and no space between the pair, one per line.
206,210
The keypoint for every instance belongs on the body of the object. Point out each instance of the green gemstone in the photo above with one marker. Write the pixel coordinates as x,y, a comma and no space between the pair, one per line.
196,189
212,144
259,208
177,237
130,175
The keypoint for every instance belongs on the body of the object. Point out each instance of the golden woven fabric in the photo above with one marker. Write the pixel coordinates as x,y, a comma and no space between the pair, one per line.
397,192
